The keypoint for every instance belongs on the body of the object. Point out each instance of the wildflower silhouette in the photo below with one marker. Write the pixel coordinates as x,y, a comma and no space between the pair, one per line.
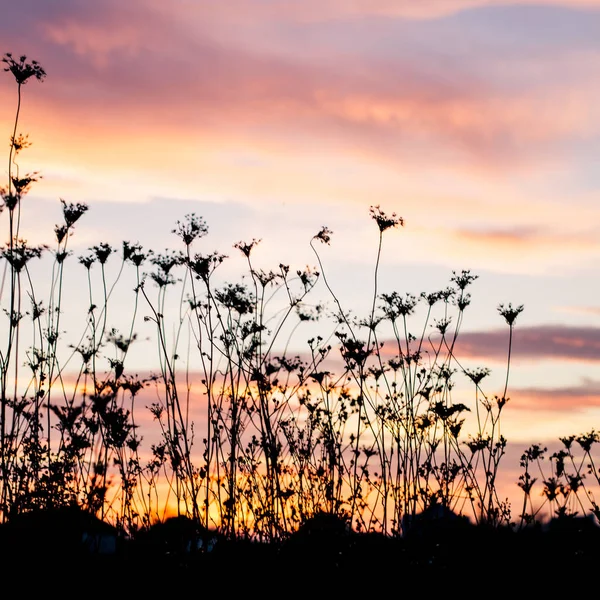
509,313
363,431
22,69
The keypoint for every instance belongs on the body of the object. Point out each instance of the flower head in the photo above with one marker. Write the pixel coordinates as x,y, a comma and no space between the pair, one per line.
22,69
246,248
193,227
477,375
324,235
72,212
509,313
383,221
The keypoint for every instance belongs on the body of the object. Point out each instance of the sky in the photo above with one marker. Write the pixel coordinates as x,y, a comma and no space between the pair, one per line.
476,121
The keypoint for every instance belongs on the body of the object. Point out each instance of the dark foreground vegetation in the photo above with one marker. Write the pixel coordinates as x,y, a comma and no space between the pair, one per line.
323,556
298,476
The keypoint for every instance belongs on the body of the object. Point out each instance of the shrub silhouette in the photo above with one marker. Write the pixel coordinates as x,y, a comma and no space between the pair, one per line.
68,531
176,536
436,521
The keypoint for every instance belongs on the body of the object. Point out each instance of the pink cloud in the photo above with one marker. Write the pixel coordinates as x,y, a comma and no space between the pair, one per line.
94,40
241,97
313,10
564,399
125,70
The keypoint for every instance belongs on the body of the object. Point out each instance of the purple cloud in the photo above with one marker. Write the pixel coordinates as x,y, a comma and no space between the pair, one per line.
539,342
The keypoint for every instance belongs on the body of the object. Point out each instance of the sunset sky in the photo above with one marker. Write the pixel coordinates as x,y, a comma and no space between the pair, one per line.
477,121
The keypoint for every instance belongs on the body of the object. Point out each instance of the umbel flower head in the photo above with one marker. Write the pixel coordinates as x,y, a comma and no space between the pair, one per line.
22,69
510,313
324,235
384,221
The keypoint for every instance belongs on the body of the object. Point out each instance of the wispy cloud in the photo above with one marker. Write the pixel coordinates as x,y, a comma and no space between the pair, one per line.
576,398
313,10
581,310
530,247
109,68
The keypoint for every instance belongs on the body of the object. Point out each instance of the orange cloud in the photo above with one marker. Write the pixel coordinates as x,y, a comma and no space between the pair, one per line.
527,246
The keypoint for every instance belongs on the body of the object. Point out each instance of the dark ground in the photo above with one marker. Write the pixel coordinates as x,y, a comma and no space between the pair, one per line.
455,561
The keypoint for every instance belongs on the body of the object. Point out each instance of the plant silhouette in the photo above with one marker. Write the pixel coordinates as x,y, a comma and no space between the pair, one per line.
352,467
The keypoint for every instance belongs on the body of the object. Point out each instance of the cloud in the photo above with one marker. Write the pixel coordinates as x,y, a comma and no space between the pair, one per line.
118,69
576,398
427,116
555,342
582,310
247,11
521,236
528,245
